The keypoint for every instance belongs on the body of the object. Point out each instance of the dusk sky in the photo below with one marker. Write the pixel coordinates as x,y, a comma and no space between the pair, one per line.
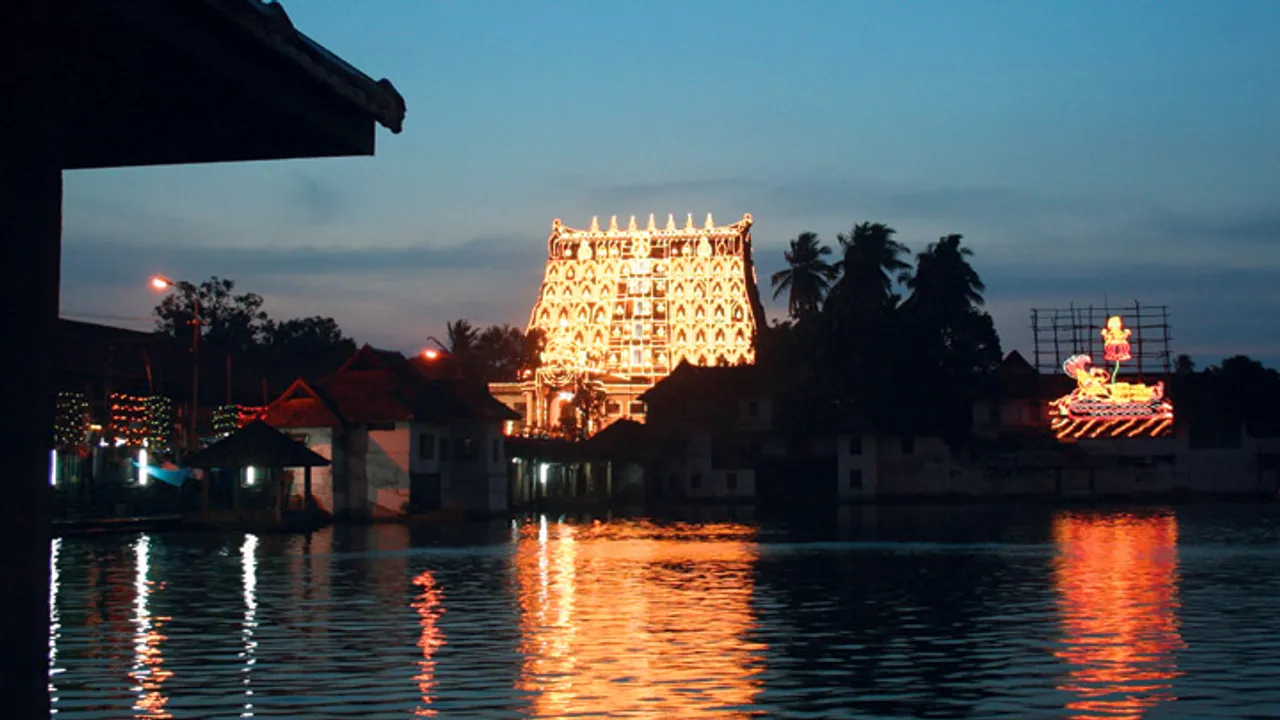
1087,150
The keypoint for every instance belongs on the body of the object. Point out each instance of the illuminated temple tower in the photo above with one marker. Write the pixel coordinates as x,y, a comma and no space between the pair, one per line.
624,306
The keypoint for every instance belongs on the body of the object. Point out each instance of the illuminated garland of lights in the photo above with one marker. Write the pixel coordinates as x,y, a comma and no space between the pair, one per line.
159,422
1101,407
135,418
229,418
71,419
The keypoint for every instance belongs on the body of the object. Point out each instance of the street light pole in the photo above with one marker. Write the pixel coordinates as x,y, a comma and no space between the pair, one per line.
160,282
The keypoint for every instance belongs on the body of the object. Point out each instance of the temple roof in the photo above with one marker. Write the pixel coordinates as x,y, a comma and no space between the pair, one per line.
671,229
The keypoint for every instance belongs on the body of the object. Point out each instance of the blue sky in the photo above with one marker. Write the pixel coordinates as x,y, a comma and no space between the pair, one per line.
1088,151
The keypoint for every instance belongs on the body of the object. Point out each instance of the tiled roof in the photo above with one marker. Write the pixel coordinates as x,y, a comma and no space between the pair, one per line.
376,386
270,24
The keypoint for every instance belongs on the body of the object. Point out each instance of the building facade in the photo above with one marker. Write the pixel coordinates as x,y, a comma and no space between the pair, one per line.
620,308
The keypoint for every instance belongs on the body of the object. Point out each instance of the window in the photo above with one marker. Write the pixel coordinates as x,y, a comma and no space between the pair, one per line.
908,445
637,332
497,450
753,408
464,449
637,408
855,479
731,482
426,446
855,445
695,481
612,407
636,356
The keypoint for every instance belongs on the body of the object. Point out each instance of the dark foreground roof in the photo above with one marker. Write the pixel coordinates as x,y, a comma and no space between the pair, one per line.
257,444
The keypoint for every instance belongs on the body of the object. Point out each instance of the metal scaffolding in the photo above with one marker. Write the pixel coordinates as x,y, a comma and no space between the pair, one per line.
1059,333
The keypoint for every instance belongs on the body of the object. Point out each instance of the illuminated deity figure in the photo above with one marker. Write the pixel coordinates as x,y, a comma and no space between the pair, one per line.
625,305
1101,407
1115,338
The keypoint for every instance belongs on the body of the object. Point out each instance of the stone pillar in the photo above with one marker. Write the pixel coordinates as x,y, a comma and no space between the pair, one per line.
30,255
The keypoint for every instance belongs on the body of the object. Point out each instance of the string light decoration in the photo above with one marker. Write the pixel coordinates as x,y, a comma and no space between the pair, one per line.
136,419
1100,406
631,304
71,419
230,418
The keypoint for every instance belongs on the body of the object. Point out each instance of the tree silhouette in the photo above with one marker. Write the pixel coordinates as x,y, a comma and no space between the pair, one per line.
807,278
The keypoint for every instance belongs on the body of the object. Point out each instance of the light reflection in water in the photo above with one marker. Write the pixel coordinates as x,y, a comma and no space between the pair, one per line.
249,570
429,607
1116,577
55,623
148,665
633,618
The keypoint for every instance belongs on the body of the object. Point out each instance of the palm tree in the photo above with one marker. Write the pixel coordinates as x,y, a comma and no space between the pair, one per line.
871,261
944,281
807,278
462,338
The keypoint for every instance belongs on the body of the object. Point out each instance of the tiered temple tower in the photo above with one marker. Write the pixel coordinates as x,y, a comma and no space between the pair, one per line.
624,306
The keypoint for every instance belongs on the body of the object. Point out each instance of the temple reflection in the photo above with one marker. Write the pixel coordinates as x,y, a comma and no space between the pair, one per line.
429,608
148,666
249,571
1117,577
635,619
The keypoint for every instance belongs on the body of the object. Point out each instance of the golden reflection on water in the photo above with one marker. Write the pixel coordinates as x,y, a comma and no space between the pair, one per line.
148,666
637,620
1116,577
429,605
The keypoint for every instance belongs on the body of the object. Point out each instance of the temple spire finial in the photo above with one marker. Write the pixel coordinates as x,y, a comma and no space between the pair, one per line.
652,226
613,223
631,226
688,222
710,222
671,221
595,224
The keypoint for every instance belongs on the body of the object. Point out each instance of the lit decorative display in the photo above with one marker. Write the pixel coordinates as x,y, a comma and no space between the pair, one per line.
631,304
1100,406
135,419
71,419
229,418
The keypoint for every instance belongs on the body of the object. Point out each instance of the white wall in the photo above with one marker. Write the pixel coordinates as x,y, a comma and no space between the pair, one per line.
864,462
387,470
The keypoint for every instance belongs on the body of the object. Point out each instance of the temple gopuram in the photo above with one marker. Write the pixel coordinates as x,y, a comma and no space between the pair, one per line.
621,307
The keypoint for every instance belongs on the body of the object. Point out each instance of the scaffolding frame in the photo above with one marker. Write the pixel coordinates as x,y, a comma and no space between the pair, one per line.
1059,333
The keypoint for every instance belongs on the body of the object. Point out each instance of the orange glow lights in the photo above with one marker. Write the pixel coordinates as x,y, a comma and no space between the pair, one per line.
1100,406
1116,580
160,282
601,605
431,353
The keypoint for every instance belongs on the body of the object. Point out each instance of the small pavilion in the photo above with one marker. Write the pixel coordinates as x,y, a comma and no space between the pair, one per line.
258,445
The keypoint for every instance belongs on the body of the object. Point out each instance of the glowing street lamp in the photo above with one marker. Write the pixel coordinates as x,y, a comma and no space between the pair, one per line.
161,283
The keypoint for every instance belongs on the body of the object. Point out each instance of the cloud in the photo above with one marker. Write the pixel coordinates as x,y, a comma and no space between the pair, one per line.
109,259
319,202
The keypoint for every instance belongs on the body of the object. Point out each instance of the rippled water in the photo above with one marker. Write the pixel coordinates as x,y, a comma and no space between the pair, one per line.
890,613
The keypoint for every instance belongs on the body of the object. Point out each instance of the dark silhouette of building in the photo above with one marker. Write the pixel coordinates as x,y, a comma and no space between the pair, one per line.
97,84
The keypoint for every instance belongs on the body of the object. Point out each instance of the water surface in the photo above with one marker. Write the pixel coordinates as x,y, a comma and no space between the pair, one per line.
895,612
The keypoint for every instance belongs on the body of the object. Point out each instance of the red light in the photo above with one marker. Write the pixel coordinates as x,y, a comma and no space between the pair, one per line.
430,354
160,283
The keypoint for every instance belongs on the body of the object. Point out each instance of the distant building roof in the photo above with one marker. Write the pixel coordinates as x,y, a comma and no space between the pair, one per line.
376,386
